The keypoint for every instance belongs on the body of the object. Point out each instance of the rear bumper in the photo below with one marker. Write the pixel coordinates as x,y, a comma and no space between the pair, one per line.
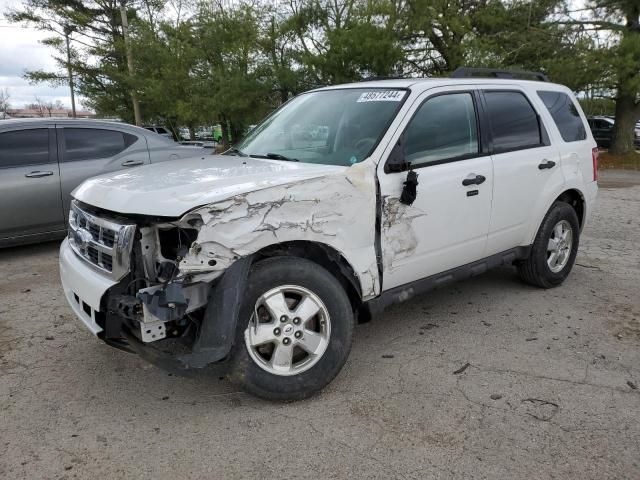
83,287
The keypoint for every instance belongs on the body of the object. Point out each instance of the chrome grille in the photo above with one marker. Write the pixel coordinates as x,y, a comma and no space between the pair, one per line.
104,244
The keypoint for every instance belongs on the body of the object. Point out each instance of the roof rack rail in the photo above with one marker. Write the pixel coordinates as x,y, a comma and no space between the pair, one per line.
375,79
464,72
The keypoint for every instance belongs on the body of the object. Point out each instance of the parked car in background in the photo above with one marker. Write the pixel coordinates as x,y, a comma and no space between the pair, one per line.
184,133
602,130
204,133
42,160
200,143
165,132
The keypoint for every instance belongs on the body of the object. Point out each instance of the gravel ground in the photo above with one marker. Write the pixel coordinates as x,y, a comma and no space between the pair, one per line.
550,390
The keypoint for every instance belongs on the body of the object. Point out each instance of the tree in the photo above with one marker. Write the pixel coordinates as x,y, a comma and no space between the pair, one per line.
4,102
98,55
619,60
348,40
173,90
238,92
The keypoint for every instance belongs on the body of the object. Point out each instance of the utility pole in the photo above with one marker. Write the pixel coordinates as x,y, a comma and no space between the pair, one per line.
67,32
127,46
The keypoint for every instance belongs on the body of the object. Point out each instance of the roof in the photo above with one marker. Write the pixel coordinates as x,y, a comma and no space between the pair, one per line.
61,121
76,122
441,81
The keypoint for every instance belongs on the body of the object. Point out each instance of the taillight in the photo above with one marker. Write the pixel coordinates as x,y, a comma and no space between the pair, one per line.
594,156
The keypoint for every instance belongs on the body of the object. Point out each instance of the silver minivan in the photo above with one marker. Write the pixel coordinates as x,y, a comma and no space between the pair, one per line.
42,160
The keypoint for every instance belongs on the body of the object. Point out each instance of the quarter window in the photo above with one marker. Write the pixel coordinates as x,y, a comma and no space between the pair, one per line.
91,144
514,122
565,114
24,147
444,128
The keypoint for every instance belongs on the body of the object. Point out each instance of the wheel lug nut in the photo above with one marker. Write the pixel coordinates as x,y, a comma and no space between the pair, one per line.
276,331
286,341
283,318
298,334
296,320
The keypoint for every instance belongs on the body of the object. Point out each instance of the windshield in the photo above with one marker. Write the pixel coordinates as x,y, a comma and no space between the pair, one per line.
331,127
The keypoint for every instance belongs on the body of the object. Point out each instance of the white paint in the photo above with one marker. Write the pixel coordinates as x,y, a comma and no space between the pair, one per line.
80,279
247,204
444,228
336,210
170,189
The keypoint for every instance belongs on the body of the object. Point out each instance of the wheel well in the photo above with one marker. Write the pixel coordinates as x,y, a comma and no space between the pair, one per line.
576,200
325,256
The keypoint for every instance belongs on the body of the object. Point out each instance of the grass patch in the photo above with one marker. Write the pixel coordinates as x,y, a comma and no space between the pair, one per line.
629,161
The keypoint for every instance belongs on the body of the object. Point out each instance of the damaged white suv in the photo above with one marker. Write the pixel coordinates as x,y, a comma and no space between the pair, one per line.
258,262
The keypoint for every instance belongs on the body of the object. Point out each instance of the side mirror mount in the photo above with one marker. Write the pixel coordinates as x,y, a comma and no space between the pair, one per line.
397,161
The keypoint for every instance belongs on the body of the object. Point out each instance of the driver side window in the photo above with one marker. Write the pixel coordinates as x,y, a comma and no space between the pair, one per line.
443,129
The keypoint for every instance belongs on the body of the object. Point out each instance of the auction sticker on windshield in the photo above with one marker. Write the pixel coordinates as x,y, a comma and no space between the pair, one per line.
381,96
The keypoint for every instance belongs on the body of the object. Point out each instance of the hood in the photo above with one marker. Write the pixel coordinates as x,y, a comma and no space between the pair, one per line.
170,189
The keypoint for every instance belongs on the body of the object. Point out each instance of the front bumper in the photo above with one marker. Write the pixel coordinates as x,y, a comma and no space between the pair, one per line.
83,287
89,294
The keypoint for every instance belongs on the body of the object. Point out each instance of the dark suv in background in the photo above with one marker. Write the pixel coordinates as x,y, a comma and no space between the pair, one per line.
602,130
42,160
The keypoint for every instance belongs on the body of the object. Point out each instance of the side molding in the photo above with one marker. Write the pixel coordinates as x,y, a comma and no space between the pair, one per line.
407,291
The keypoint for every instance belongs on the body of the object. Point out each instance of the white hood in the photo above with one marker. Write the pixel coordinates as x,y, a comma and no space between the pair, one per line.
170,189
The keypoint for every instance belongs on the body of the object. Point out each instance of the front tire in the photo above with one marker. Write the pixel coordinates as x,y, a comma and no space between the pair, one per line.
554,249
294,331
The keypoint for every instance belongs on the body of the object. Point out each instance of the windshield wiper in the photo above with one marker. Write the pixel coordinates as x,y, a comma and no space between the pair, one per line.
236,151
275,156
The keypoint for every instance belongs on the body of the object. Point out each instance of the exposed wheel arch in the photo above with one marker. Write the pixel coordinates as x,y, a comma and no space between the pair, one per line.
324,255
574,198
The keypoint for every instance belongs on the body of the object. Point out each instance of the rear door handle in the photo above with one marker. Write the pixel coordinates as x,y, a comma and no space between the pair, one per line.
547,164
38,174
473,179
132,163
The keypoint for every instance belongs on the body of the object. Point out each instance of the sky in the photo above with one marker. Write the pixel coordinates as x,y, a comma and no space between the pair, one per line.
21,51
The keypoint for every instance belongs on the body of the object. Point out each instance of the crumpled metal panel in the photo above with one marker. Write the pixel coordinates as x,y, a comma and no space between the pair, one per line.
338,210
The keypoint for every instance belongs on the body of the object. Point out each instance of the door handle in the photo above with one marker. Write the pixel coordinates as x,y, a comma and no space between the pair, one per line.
38,174
473,179
132,163
547,164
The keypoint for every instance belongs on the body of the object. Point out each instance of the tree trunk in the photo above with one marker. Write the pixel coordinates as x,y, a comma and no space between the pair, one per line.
125,33
627,108
623,130
236,132
224,127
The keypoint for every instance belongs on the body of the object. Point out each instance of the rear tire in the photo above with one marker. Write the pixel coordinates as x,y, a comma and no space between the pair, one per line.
282,350
554,249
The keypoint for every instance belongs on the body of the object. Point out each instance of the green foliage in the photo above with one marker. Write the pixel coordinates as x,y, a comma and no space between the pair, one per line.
230,62
598,106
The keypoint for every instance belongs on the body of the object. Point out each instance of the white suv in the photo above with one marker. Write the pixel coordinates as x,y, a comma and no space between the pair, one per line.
347,199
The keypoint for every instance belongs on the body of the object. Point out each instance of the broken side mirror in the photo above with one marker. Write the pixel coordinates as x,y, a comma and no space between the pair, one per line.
410,188
397,161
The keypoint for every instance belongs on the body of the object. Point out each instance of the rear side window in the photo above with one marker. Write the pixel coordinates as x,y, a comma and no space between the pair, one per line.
24,147
443,129
91,144
514,122
565,114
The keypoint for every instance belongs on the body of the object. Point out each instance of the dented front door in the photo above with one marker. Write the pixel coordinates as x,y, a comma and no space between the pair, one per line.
448,223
